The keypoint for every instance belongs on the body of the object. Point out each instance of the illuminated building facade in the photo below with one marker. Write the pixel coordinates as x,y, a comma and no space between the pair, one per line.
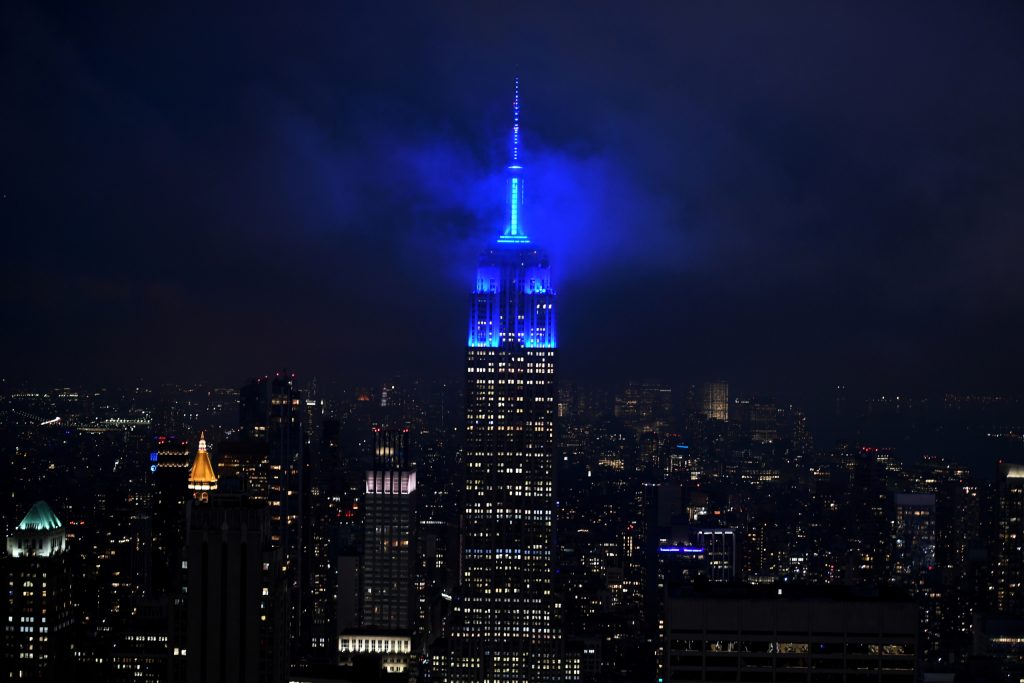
504,625
201,478
38,599
388,548
387,598
715,400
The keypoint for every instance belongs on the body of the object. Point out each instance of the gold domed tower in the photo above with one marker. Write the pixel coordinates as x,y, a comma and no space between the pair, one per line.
202,479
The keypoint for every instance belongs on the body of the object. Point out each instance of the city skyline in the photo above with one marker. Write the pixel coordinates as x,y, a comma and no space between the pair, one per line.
710,372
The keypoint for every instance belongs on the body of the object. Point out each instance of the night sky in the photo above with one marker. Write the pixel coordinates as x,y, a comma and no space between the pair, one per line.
784,195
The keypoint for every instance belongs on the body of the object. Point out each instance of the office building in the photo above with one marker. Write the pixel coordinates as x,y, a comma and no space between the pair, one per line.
141,651
388,558
236,602
715,400
38,608
914,555
788,634
504,625
271,409
170,461
1009,569
720,550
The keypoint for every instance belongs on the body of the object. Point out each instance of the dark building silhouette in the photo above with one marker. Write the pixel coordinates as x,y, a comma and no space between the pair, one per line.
236,601
170,462
272,409
718,633
141,649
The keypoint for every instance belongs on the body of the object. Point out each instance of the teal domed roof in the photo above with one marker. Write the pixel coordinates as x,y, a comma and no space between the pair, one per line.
40,518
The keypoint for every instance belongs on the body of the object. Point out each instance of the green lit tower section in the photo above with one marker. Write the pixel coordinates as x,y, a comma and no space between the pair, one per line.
504,626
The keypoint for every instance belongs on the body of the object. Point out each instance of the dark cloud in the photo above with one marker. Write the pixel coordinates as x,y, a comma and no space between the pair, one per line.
785,194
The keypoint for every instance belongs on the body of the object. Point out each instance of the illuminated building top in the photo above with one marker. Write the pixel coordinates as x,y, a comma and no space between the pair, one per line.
40,518
1011,470
513,302
202,477
40,534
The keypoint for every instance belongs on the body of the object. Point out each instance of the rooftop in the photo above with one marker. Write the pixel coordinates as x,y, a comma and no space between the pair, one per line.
40,518
202,476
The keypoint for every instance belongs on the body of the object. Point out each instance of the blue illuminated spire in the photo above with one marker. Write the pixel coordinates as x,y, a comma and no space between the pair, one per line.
514,233
513,302
515,125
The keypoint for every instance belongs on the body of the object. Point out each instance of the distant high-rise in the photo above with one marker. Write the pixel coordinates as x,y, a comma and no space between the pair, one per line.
756,419
272,409
141,651
866,526
504,623
37,592
645,406
715,400
1009,570
914,554
170,461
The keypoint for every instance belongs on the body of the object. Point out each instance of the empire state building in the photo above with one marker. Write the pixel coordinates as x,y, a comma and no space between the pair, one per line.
504,626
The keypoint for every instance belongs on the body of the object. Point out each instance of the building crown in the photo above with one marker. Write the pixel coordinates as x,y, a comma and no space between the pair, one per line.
202,476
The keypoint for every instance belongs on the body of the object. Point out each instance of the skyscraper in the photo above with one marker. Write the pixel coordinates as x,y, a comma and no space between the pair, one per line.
720,549
504,626
170,464
387,596
272,409
914,537
388,558
235,593
36,634
715,400
1009,570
